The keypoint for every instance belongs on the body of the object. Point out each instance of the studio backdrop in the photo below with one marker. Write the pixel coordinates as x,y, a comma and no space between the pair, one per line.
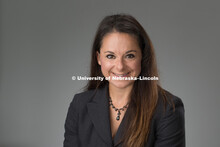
43,43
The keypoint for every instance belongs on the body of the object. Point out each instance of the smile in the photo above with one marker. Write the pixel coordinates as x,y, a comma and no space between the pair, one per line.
121,75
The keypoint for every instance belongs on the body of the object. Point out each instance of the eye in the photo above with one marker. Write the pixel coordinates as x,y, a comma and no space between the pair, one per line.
130,56
110,56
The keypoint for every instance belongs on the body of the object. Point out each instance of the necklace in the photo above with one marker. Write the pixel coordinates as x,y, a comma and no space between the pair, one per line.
116,109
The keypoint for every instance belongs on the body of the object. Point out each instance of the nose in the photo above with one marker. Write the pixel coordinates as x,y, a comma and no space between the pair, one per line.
120,65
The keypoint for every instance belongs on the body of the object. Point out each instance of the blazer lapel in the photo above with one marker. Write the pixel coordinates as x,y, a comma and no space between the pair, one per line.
98,110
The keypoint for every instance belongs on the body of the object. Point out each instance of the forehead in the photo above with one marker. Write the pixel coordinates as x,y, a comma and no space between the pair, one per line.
117,41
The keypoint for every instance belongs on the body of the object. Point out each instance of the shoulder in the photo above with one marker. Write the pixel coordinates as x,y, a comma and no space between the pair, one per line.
168,102
83,98
168,108
168,120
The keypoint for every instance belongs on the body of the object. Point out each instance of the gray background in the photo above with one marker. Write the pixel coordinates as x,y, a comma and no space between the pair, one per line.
44,43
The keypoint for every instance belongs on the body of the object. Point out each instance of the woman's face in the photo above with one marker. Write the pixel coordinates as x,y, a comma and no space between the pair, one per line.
120,56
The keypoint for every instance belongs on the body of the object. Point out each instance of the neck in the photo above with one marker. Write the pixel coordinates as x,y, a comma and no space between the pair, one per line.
120,96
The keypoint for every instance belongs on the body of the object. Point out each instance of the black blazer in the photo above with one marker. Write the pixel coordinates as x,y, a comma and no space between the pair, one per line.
88,123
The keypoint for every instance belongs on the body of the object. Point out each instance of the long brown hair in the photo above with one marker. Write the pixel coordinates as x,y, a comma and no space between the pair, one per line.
144,95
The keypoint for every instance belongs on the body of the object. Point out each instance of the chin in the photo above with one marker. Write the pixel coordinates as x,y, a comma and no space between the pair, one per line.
121,84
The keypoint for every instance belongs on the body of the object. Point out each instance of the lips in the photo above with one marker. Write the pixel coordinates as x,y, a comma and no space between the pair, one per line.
122,75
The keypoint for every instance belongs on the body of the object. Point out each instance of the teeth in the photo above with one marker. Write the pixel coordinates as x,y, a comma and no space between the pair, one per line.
120,75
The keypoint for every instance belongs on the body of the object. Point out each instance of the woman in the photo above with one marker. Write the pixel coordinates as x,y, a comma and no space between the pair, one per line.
120,112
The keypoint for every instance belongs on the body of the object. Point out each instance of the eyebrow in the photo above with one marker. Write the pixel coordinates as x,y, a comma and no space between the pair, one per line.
125,53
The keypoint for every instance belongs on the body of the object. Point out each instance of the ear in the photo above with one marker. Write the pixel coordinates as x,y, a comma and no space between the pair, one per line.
98,57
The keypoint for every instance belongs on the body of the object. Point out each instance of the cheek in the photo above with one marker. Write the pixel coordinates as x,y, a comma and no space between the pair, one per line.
137,67
105,67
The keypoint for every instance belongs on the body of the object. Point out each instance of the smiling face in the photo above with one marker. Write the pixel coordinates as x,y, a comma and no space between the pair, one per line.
120,56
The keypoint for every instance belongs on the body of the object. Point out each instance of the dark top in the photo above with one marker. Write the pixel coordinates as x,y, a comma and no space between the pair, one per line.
88,122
